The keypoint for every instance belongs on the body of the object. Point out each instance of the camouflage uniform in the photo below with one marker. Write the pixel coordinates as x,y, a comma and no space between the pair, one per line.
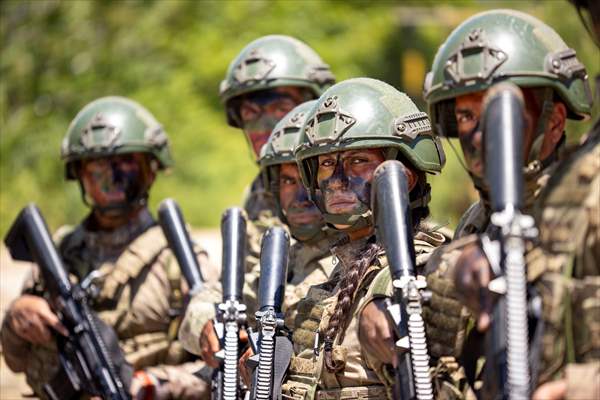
309,264
139,294
139,288
310,260
338,123
566,267
267,63
489,47
363,376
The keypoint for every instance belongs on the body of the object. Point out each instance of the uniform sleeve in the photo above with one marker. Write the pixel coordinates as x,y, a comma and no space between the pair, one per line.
187,381
14,349
199,311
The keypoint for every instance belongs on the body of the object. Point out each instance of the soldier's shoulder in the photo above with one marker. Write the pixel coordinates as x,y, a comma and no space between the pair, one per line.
574,178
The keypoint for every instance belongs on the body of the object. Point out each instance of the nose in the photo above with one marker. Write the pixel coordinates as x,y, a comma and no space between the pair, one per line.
301,200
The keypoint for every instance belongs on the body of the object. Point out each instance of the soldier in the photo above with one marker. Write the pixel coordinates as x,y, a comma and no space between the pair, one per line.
310,259
569,223
354,127
114,148
269,77
487,48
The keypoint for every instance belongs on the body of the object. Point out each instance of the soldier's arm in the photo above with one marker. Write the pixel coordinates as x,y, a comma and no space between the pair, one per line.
15,349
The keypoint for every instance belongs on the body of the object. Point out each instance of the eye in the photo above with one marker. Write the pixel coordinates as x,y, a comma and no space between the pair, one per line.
465,117
328,162
286,180
249,111
358,160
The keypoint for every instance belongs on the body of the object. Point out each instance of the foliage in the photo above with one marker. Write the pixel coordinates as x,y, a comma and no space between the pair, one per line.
171,55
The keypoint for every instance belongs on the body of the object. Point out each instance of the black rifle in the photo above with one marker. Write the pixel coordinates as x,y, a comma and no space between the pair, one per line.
507,356
173,225
271,342
88,355
231,313
392,213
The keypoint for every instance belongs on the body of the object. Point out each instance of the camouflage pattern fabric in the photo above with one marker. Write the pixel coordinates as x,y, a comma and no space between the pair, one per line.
309,264
568,261
138,287
362,376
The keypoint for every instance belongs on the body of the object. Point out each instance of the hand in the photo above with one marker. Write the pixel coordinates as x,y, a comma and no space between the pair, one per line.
143,385
472,276
32,319
375,332
209,344
556,390
244,372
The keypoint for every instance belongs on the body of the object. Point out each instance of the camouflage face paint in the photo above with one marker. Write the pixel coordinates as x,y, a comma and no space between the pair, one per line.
340,190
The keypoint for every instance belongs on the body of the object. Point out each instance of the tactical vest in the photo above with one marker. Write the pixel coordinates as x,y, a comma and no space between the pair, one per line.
139,295
360,379
566,266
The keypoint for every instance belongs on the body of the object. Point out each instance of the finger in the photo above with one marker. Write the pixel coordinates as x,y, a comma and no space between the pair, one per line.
483,322
208,355
52,320
243,335
38,332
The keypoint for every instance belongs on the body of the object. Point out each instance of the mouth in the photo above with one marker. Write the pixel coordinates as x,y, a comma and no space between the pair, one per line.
340,204
304,217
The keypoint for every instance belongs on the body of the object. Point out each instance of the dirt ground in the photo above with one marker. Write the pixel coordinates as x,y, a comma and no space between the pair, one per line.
12,275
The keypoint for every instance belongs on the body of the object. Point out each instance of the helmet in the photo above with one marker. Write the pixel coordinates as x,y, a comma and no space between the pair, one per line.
280,150
114,125
505,44
364,113
280,147
269,62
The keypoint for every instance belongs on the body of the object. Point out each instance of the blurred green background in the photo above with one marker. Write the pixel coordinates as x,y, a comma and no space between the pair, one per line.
170,55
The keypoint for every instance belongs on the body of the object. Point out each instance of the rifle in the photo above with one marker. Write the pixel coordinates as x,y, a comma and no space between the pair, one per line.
231,313
392,212
172,223
87,356
507,350
271,344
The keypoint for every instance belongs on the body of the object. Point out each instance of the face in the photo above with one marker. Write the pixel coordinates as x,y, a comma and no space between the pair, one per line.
344,179
293,197
115,180
260,112
468,111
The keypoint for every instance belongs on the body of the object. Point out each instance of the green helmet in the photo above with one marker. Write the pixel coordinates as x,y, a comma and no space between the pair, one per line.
282,142
269,62
280,150
114,125
364,113
504,44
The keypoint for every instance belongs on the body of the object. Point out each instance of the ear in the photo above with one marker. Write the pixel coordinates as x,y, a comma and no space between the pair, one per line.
413,178
554,129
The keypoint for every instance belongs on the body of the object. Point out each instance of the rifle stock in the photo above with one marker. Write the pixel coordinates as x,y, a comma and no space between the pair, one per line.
392,212
172,223
87,354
